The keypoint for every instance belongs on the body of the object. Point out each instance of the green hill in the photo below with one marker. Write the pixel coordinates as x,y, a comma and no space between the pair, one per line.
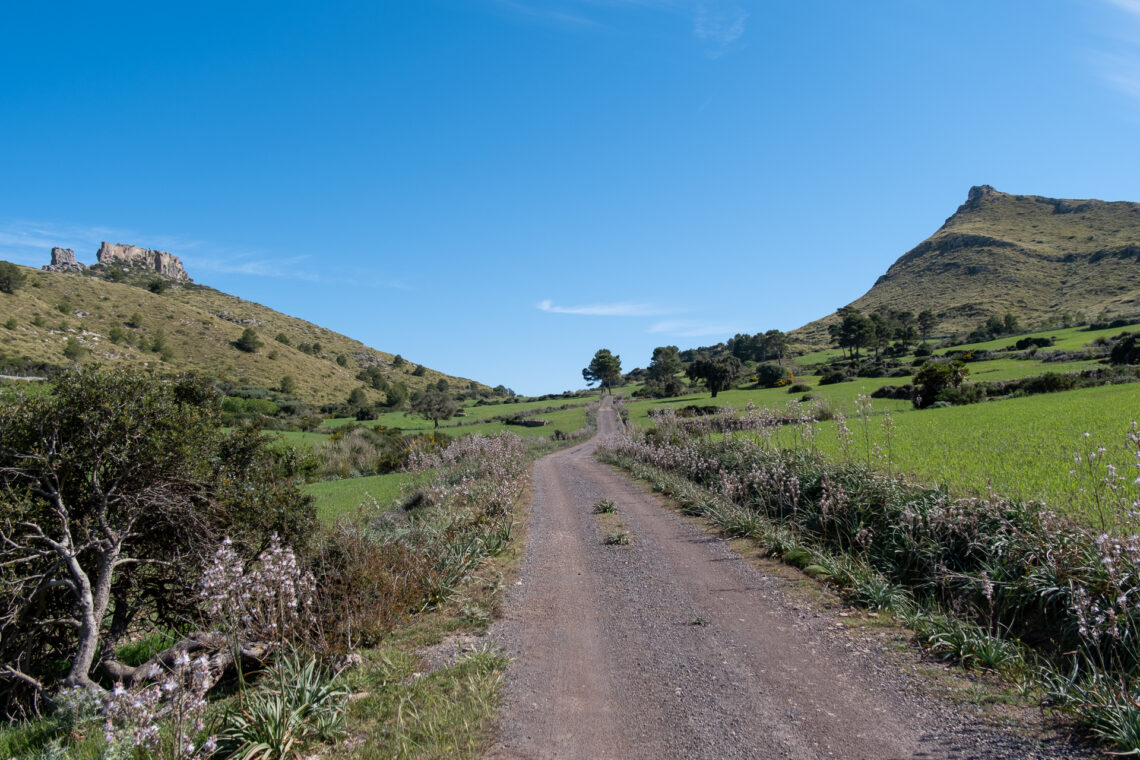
1037,258
185,327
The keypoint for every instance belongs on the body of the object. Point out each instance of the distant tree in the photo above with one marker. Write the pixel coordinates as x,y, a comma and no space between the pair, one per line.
396,395
249,341
768,374
661,375
854,331
419,371
397,361
502,390
357,398
717,374
604,368
1126,350
373,377
157,286
442,385
282,338
926,323
933,377
1010,323
135,320
288,385
881,332
12,278
342,360
775,346
435,405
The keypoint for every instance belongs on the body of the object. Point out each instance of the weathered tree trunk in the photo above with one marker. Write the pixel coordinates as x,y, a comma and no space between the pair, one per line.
92,602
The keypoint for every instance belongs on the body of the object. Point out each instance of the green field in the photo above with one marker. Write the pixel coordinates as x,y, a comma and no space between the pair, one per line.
1064,339
409,422
1022,447
341,497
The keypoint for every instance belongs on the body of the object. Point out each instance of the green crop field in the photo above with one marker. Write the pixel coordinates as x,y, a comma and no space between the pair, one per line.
1064,339
1022,447
409,422
341,497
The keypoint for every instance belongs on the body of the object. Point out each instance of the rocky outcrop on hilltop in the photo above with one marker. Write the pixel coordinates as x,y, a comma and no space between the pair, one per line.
166,264
119,255
63,260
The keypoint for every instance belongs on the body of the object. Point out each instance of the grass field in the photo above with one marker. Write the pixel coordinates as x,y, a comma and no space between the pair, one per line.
409,422
341,497
1064,339
563,420
1020,447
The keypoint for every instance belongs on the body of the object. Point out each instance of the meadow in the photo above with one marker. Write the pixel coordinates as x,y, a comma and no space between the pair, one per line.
1020,447
337,498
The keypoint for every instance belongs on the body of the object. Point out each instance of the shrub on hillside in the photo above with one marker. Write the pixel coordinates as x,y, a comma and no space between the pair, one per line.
835,376
768,374
12,278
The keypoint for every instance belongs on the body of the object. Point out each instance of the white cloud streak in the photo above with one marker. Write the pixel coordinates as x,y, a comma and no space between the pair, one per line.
603,309
716,24
1120,68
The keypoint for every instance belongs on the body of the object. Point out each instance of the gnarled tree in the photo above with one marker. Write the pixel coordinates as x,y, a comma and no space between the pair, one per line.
112,489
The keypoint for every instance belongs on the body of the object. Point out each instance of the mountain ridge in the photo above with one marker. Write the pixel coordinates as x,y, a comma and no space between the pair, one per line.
186,326
1033,256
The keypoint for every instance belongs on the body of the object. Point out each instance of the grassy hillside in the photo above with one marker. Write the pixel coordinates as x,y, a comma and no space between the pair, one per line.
1037,258
186,327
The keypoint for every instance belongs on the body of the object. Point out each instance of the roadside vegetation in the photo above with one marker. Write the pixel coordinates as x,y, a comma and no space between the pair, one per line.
170,592
992,583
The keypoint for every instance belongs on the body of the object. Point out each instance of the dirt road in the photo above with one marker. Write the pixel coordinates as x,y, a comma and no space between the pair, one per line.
674,647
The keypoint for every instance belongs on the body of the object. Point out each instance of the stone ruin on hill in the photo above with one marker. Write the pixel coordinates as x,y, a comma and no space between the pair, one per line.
160,262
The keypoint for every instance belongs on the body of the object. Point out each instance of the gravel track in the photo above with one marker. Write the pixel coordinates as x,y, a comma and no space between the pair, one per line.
675,647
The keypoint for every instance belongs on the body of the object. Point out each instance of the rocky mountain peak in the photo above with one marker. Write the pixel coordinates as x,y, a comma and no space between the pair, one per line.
63,260
165,264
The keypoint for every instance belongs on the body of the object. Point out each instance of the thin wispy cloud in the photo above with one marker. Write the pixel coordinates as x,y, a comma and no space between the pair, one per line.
604,309
1119,67
257,266
686,329
719,26
715,24
30,243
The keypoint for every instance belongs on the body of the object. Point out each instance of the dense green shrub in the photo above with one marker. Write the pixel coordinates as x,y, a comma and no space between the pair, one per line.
835,376
12,278
768,374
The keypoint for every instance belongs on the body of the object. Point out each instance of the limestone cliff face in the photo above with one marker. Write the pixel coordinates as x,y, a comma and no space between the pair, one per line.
63,260
165,264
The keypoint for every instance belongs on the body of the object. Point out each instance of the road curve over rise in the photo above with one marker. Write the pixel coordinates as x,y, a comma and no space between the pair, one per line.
609,662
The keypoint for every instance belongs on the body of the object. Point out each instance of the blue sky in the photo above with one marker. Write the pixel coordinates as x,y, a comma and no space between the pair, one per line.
497,188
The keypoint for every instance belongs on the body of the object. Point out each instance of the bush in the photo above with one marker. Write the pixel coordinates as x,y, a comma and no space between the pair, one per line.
835,376
180,484
11,324
1126,350
923,350
249,341
768,374
799,388
12,278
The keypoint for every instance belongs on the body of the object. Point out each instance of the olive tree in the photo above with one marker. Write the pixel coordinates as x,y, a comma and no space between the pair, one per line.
435,405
